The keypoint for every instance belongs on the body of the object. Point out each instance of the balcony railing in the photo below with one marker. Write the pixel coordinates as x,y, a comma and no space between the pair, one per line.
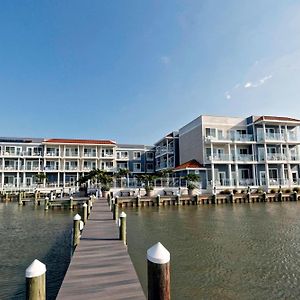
89,154
71,154
244,157
71,168
122,156
237,137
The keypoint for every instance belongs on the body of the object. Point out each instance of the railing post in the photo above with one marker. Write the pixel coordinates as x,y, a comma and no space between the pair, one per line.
71,203
76,230
158,261
122,228
46,203
36,281
36,197
85,212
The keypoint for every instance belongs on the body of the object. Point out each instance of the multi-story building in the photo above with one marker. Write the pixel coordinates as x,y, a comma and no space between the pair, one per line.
226,152
136,158
167,152
239,152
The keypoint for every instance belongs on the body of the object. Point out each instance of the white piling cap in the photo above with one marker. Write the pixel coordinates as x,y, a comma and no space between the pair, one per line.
158,254
84,205
77,217
122,215
71,198
36,269
46,198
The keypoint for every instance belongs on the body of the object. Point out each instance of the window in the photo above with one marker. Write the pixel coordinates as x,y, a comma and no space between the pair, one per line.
210,132
149,155
137,155
273,174
137,167
150,166
243,151
122,154
244,174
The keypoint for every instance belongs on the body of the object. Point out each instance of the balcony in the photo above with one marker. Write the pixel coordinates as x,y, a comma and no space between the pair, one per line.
119,156
52,153
276,157
51,168
71,168
164,150
107,155
71,154
236,137
89,154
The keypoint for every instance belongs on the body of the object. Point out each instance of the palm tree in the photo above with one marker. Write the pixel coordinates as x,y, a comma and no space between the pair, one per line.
191,181
40,177
122,173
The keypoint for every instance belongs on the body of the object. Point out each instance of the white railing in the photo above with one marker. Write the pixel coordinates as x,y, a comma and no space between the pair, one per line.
244,157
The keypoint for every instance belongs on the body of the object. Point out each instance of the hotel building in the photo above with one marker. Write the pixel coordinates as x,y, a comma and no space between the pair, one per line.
241,152
226,152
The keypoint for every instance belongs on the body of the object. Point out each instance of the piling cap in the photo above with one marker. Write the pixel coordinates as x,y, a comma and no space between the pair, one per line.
122,215
46,198
77,217
84,205
71,198
158,254
36,269
81,225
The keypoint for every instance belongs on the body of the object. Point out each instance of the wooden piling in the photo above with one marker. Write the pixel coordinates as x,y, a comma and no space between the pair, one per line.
46,203
85,212
115,209
36,281
89,207
122,228
137,201
295,195
177,199
158,200
76,230
158,261
279,196
20,199
71,203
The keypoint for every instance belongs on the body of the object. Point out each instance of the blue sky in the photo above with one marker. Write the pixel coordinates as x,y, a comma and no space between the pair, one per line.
133,71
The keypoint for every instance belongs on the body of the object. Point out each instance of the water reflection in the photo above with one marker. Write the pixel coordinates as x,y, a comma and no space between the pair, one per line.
28,232
239,251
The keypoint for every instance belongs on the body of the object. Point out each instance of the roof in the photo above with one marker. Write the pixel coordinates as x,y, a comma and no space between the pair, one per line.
277,119
79,141
192,164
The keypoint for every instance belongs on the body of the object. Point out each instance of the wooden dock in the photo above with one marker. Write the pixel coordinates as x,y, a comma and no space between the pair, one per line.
101,267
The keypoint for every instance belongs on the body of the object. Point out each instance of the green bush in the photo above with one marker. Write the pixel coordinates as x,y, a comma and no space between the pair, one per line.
225,192
296,189
234,191
288,191
273,191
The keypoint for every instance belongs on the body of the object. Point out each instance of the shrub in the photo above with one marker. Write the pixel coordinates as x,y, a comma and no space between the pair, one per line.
226,192
296,189
260,190
243,191
234,191
273,191
288,191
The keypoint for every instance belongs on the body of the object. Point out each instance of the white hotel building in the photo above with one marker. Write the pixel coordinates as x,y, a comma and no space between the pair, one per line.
238,152
226,152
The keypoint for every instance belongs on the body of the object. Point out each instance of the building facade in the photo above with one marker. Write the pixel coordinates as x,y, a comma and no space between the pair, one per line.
226,153
242,152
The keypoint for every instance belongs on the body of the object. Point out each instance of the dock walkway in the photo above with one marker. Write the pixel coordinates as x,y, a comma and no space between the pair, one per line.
100,267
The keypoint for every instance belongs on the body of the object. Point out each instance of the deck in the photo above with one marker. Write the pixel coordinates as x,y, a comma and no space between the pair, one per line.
101,267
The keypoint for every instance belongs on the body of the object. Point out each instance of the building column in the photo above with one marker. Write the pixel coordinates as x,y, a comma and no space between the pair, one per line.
2,180
282,181
229,175
290,174
64,179
254,175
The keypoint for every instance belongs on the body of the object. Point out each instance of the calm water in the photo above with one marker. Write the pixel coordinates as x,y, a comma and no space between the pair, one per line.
241,251
28,233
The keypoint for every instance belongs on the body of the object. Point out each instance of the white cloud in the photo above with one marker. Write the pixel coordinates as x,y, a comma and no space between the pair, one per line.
248,85
165,60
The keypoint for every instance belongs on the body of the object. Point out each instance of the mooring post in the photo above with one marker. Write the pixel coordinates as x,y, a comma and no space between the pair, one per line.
138,199
35,197
158,200
89,206
36,281
85,212
178,199
122,228
158,261
46,203
76,230
20,199
280,196
115,209
248,197
71,203
295,196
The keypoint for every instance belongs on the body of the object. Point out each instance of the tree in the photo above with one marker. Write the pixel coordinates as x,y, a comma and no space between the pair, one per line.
191,179
40,177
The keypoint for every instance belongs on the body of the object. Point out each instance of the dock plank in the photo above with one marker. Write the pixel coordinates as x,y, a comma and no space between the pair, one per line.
101,267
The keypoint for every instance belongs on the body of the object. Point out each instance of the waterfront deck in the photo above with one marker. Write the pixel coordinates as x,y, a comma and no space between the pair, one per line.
101,267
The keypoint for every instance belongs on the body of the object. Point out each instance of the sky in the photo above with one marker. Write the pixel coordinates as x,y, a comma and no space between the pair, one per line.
133,71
